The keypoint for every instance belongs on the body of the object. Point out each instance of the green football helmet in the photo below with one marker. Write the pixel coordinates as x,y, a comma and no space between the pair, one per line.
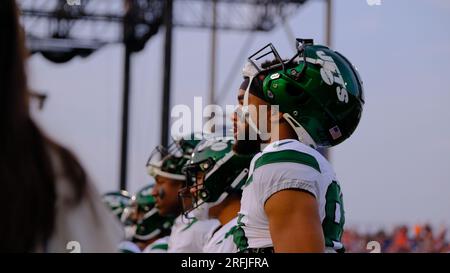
222,171
318,90
119,203
149,223
169,162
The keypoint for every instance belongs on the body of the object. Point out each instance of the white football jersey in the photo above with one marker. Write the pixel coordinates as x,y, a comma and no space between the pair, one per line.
190,235
222,240
289,164
129,247
159,246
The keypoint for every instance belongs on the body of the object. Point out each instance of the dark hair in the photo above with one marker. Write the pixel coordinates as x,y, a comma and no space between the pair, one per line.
270,63
27,172
256,86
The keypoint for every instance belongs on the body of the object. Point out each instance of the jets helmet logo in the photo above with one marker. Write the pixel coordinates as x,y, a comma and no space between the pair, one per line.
330,74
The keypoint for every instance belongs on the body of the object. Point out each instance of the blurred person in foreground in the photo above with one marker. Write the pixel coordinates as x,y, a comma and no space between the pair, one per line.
50,199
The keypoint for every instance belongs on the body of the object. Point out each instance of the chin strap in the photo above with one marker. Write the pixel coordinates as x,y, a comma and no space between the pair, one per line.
302,135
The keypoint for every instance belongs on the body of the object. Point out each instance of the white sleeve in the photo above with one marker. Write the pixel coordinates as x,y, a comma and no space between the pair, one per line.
276,177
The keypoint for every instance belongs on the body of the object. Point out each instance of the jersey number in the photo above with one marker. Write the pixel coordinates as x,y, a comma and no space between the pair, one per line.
333,224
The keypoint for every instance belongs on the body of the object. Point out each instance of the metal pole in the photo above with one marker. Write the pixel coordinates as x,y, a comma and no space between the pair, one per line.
329,23
213,58
212,79
125,115
167,65
127,32
328,41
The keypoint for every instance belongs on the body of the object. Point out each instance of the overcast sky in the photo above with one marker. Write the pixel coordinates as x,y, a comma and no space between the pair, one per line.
394,169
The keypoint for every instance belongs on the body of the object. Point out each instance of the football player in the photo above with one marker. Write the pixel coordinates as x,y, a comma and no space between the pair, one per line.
120,204
215,175
188,234
292,200
152,229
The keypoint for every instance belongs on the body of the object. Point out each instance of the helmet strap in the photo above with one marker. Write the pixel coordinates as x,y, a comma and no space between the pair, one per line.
302,135
198,211
233,186
150,213
219,163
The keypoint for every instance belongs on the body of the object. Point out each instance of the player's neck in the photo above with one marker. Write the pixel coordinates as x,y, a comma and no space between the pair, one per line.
284,131
229,211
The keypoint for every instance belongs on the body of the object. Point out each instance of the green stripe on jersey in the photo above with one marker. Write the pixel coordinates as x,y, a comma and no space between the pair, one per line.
127,251
249,180
161,246
290,156
239,238
190,224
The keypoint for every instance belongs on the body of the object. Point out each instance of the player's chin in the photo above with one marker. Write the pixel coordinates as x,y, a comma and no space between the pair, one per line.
160,207
162,211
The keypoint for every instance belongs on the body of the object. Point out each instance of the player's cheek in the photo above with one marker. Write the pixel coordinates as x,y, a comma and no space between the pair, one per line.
155,190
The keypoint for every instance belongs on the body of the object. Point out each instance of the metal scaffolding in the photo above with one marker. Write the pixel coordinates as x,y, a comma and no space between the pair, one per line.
63,29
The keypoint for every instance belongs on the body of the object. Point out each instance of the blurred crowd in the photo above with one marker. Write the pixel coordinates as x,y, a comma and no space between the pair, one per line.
402,239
